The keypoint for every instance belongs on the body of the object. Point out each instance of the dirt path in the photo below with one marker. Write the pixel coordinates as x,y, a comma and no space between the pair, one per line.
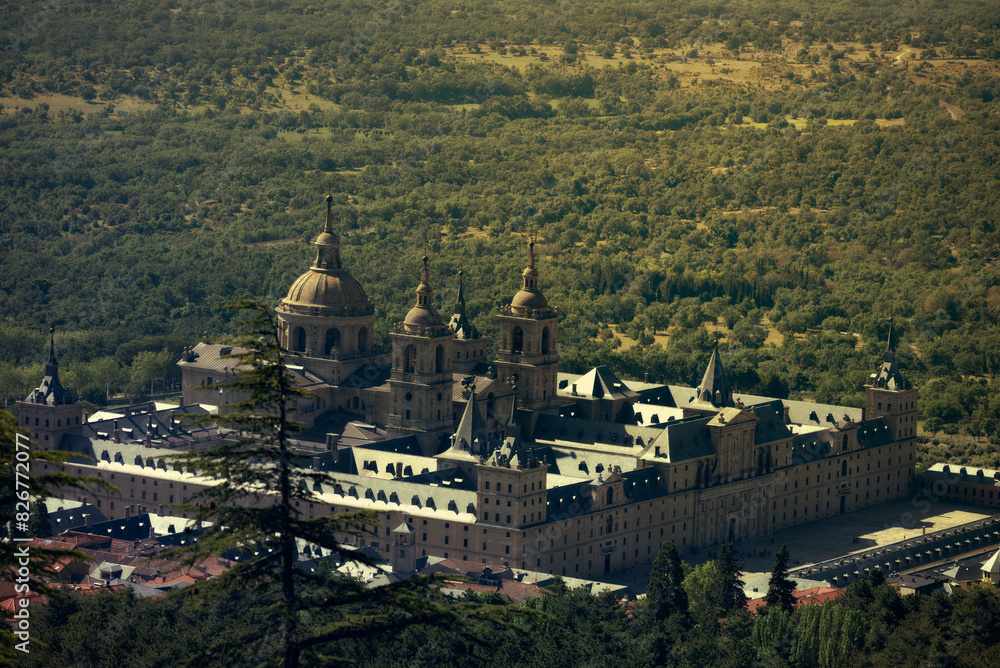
956,112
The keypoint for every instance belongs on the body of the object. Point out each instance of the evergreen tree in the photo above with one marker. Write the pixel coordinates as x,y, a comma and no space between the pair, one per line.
726,591
780,587
251,508
39,524
665,594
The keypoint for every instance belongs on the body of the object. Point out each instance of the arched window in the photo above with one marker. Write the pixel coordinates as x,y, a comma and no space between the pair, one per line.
545,341
517,342
363,340
611,495
410,359
439,359
299,340
491,405
332,339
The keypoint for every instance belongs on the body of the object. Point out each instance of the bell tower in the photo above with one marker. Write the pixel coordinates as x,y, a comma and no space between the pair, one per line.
889,395
529,333
50,411
420,402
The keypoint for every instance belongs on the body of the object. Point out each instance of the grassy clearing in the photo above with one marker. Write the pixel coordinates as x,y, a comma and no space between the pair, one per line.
66,103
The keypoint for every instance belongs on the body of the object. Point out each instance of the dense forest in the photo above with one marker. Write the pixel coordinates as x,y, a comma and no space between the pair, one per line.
782,177
869,625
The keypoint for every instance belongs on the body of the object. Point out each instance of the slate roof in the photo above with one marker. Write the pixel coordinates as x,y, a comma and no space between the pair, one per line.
714,388
686,439
601,383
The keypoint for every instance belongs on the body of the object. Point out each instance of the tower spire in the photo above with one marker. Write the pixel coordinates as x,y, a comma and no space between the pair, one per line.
424,291
52,366
51,391
714,387
328,227
889,355
327,244
460,300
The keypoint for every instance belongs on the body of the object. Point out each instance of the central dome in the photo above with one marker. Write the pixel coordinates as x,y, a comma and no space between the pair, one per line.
336,290
327,285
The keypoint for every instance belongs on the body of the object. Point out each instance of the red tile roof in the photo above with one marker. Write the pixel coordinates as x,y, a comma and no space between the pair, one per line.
813,596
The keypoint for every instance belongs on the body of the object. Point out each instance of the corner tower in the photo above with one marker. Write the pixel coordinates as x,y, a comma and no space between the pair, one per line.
889,395
50,411
420,401
326,315
529,333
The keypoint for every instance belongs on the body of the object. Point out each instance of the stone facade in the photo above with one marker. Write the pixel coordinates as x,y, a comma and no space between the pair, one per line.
565,474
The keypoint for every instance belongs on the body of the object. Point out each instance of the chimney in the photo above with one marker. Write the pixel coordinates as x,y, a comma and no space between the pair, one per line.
332,440
399,470
117,435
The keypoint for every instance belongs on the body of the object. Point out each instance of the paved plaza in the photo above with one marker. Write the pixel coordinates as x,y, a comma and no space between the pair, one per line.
830,539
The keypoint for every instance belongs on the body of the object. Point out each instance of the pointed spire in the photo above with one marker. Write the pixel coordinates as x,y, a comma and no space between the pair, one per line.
471,428
530,297
889,374
424,291
460,300
460,323
714,388
327,244
52,366
51,391
513,426
423,314
889,354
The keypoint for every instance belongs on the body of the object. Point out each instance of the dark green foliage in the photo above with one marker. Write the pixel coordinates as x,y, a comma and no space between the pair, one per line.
39,523
571,629
780,588
726,588
665,595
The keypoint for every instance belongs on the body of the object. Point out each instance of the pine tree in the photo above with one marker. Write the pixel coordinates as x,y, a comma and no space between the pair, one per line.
780,588
251,508
727,585
39,524
665,594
